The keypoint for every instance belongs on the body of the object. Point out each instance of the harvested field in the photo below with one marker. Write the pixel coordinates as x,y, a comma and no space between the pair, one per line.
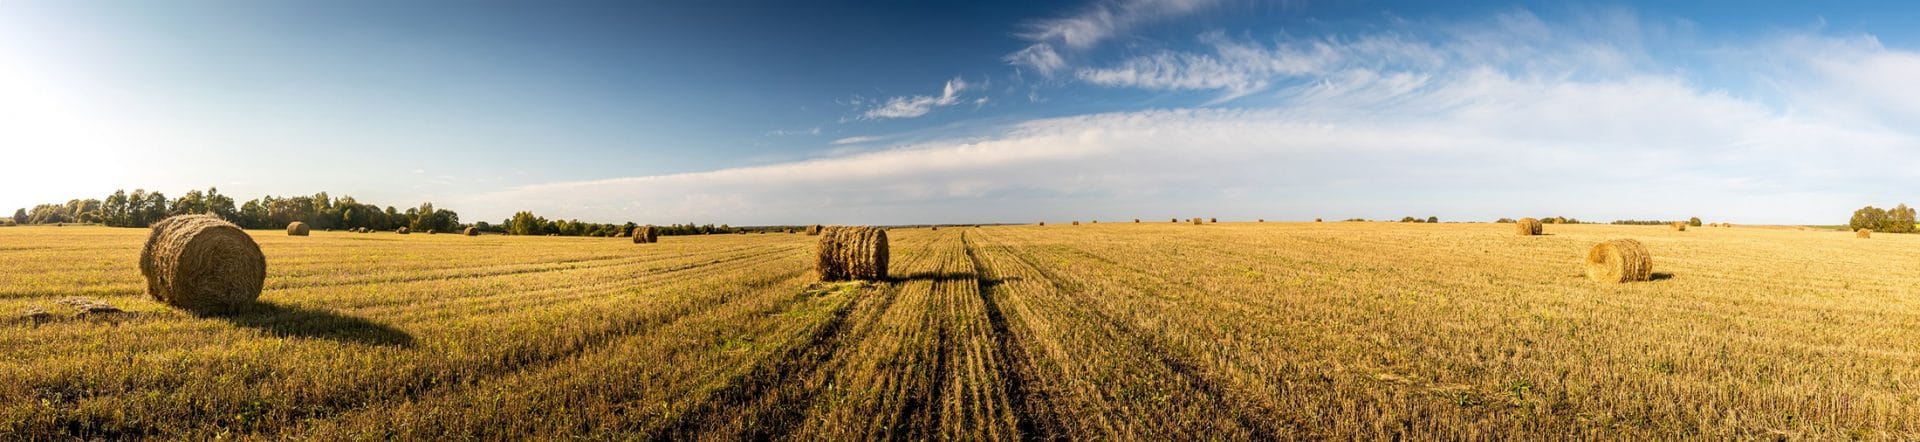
1111,331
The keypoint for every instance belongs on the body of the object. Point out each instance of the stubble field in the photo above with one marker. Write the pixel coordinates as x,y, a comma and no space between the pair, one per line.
1097,331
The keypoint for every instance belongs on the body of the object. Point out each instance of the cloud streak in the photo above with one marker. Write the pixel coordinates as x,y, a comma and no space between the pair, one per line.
1087,28
917,105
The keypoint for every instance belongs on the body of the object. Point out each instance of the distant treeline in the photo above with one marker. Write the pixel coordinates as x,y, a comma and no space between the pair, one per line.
1899,219
319,211
1544,219
142,208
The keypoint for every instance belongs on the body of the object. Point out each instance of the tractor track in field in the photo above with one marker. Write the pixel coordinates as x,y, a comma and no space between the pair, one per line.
774,414
1033,419
1217,397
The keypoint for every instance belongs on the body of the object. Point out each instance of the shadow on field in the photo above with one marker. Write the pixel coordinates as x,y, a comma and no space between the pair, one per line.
293,321
1660,276
948,276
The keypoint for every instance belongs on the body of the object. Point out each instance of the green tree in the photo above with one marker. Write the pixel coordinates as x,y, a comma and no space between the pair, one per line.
1868,218
1433,219
20,216
1899,220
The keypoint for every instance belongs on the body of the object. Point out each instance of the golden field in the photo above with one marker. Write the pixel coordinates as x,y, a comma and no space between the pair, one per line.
1097,331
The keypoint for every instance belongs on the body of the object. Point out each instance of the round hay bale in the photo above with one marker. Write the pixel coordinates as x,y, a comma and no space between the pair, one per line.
1261,220
647,234
852,253
1076,223
402,230
1197,221
1043,223
1679,226
202,262
1316,220
1527,226
1863,233
472,231
1620,260
1213,220
296,228
813,230
1136,220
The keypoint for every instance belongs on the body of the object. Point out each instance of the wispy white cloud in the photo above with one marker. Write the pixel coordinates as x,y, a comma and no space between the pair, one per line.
856,140
1088,27
790,132
1505,120
917,105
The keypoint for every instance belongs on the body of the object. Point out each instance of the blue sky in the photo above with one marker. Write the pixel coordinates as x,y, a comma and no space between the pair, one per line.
910,112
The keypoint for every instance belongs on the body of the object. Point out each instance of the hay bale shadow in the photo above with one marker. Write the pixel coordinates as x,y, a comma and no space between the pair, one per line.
1660,276
295,321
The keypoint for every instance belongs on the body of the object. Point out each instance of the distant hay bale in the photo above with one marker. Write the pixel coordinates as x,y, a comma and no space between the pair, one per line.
1863,233
1136,220
790,230
813,230
648,234
296,228
1213,220
1527,226
1198,221
852,253
1316,220
1043,223
1678,226
1174,220
1261,220
1076,223
472,231
432,231
1620,260
200,262
402,230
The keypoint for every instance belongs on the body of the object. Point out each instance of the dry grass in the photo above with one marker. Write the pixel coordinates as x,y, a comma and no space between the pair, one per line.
1126,332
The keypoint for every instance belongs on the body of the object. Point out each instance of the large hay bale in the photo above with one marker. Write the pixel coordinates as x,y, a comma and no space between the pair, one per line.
1863,233
1527,226
647,234
402,230
1620,260
472,231
296,228
1678,226
852,252
813,230
202,262
1197,221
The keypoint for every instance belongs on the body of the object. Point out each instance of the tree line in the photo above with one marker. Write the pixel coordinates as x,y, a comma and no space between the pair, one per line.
319,211
1899,219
